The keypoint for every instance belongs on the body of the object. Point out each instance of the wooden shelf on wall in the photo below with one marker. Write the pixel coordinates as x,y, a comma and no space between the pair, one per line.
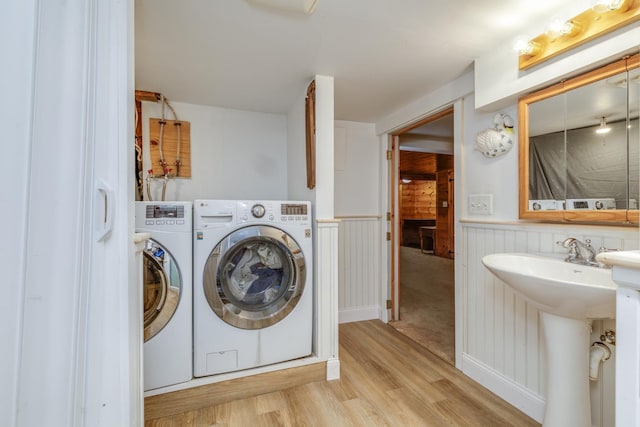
170,147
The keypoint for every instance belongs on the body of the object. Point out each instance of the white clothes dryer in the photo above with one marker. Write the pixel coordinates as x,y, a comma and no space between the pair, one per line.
167,291
253,284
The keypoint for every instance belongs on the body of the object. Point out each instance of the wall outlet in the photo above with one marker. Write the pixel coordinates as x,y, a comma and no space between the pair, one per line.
481,204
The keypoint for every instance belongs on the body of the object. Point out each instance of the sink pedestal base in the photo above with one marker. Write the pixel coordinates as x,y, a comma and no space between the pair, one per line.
567,374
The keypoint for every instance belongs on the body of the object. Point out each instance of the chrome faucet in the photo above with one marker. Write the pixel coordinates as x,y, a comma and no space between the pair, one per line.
579,252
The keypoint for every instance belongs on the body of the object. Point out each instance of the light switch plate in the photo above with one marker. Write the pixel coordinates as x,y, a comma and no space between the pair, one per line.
481,204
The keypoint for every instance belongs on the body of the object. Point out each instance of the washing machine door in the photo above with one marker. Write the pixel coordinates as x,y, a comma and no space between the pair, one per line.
254,277
162,285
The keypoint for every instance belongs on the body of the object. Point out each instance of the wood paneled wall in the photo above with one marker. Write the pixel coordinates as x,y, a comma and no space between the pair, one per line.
418,200
429,195
417,165
444,246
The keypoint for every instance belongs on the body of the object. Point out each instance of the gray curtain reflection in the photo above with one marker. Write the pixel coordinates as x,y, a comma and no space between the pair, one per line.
595,165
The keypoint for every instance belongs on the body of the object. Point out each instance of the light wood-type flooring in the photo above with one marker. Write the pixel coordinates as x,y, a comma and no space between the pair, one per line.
386,380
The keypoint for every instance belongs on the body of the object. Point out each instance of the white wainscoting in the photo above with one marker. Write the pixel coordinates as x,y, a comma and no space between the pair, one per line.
360,279
502,346
326,296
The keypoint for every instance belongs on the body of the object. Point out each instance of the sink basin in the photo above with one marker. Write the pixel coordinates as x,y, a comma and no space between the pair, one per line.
559,287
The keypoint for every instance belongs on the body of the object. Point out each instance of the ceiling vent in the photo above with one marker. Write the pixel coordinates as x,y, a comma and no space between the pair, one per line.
297,6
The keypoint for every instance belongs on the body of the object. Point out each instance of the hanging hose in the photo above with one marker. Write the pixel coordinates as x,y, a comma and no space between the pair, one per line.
598,354
163,163
178,126
149,174
138,147
164,186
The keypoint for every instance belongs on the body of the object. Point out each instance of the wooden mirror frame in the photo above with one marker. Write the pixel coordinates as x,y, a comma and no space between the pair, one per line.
622,216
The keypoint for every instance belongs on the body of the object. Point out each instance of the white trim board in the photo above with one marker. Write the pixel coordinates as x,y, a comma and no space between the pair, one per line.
357,314
512,392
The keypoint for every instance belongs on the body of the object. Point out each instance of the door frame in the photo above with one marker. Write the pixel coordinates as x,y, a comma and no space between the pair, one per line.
394,202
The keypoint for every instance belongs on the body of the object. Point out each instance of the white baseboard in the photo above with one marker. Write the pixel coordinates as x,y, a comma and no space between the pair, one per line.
525,400
333,369
358,314
385,315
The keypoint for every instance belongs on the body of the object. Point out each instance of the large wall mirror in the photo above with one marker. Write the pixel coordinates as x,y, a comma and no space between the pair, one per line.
580,147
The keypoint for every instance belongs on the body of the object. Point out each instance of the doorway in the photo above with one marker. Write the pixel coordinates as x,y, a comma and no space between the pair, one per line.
423,265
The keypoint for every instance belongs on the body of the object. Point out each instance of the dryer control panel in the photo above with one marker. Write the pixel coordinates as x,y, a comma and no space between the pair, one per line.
270,211
214,214
291,212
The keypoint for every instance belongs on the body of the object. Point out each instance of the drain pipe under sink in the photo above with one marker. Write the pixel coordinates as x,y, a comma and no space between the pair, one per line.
599,353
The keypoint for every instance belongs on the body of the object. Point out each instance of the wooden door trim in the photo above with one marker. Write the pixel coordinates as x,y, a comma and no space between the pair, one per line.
431,118
393,168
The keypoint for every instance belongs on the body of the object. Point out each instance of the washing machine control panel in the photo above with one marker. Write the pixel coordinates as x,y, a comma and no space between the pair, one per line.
258,211
165,216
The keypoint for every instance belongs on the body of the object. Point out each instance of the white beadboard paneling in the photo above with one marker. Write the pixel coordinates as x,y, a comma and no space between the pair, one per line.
503,348
359,268
357,314
326,290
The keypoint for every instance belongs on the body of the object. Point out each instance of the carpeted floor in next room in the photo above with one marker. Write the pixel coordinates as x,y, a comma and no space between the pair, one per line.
427,313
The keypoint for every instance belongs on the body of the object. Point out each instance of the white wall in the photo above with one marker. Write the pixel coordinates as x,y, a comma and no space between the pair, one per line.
357,181
496,176
357,202
325,184
234,154
426,105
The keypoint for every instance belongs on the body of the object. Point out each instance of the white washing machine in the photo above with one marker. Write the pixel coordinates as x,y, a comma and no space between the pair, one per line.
253,284
167,291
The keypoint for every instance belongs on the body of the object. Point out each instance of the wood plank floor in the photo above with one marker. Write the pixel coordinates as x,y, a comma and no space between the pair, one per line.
386,380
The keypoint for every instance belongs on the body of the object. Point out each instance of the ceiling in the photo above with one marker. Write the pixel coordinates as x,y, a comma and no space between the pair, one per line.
383,54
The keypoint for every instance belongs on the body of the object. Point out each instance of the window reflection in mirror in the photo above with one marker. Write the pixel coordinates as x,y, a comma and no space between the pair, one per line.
579,147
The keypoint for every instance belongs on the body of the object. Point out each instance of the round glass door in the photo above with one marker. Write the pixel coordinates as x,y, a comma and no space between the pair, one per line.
162,283
254,277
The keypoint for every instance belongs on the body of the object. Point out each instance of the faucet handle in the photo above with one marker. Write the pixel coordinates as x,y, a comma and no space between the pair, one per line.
587,242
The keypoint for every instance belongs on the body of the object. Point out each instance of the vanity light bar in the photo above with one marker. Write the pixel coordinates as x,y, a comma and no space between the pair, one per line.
586,26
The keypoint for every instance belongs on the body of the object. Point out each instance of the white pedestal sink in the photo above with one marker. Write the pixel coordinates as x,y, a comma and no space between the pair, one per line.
568,296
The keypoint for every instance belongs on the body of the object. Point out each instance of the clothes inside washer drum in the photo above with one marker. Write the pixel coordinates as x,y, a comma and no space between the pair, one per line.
266,287
255,274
